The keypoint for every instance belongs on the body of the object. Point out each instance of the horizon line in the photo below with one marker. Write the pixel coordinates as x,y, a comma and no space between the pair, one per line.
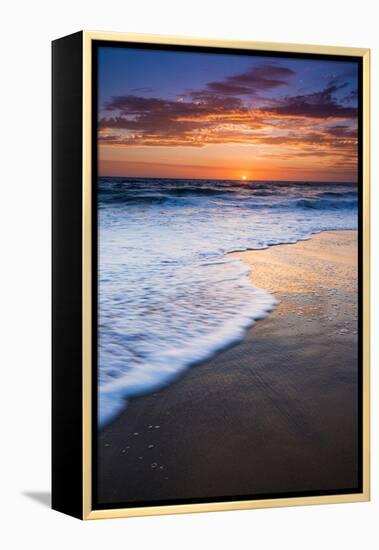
231,179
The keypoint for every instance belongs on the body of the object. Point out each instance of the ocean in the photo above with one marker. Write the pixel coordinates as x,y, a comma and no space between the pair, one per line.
169,295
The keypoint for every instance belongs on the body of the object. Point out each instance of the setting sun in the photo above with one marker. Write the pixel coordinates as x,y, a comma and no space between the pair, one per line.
243,178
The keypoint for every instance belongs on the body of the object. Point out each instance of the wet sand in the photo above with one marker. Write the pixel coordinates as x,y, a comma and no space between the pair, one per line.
275,414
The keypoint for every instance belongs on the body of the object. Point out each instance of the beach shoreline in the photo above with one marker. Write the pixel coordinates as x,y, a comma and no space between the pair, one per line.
265,415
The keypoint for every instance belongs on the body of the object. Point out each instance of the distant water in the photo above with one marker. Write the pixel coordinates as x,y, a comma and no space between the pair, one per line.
169,296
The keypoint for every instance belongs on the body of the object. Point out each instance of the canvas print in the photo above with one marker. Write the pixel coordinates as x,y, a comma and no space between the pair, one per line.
227,351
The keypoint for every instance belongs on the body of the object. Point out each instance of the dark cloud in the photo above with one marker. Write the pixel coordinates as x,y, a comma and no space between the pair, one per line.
337,83
351,97
316,105
250,82
340,130
138,106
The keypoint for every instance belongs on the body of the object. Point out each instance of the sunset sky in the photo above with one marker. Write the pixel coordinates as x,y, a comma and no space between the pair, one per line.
196,115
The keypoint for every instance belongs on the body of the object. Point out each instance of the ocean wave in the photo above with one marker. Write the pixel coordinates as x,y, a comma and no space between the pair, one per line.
168,364
251,194
170,295
325,204
338,194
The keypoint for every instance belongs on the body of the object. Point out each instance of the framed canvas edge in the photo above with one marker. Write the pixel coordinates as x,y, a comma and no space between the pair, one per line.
88,512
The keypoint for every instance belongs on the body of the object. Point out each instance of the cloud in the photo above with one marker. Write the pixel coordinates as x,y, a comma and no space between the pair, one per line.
256,79
351,97
155,121
341,130
301,125
316,105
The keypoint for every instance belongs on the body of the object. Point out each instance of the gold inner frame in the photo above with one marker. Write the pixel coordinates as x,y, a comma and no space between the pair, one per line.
88,512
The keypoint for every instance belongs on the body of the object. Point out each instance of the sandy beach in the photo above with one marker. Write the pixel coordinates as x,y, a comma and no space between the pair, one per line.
276,413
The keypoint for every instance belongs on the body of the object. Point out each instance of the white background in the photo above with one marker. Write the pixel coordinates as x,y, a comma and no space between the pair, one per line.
27,29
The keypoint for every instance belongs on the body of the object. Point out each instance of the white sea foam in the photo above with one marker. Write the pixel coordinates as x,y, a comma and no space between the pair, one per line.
170,296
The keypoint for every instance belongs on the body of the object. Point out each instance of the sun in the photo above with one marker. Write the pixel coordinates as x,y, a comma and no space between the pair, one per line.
243,178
